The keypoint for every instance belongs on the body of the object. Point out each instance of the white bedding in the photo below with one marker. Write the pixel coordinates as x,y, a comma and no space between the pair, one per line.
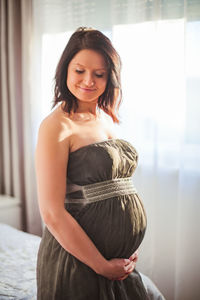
18,253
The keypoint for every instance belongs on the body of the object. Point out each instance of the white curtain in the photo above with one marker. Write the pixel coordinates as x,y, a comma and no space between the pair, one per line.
159,43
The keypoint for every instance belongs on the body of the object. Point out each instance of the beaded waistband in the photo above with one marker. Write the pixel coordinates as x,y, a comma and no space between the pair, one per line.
99,191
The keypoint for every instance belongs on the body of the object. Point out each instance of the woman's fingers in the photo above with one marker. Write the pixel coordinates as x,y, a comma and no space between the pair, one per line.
134,256
130,267
127,261
119,269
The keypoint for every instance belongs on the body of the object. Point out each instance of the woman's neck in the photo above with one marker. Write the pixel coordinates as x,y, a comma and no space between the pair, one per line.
87,107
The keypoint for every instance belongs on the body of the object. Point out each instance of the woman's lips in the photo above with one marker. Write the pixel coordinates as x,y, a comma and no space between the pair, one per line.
86,89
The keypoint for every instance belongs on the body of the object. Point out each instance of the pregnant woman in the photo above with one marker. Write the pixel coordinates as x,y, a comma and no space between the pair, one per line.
95,220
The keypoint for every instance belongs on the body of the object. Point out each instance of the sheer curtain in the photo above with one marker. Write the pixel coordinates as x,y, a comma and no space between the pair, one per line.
159,43
161,117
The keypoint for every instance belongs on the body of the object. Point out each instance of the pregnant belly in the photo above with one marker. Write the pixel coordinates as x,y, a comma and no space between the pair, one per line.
116,225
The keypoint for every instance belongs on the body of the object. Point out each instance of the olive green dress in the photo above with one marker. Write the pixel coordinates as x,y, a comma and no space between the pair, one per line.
115,225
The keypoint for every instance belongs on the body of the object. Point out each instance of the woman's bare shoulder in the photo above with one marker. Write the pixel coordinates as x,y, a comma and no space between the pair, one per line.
55,132
56,124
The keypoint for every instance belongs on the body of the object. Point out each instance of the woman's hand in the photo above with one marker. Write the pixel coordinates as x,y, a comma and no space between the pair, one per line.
133,258
120,268
117,268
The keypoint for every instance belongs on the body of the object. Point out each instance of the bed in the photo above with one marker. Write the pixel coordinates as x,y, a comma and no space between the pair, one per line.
18,254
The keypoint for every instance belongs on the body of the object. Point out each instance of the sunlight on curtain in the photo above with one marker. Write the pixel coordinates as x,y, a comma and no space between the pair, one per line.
153,82
160,115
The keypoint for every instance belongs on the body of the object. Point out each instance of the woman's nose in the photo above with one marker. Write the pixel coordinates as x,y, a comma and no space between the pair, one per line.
88,80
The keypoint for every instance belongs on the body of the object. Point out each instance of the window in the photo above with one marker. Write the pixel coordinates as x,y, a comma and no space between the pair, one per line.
160,82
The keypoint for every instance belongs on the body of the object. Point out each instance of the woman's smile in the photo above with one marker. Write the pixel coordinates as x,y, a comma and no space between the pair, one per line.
85,89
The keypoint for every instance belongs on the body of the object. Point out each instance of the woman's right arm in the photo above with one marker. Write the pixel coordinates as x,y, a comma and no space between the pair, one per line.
51,159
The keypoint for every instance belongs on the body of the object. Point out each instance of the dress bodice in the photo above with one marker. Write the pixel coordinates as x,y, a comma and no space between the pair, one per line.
114,158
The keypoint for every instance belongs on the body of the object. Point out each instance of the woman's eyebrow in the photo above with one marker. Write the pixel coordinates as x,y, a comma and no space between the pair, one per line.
80,65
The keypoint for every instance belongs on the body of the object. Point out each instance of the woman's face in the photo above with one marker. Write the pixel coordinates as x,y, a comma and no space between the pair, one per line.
87,75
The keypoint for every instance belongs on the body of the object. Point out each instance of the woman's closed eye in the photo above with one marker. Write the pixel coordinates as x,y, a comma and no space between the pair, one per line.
79,71
98,75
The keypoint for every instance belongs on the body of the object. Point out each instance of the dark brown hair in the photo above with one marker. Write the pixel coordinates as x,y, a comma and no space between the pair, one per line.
87,38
